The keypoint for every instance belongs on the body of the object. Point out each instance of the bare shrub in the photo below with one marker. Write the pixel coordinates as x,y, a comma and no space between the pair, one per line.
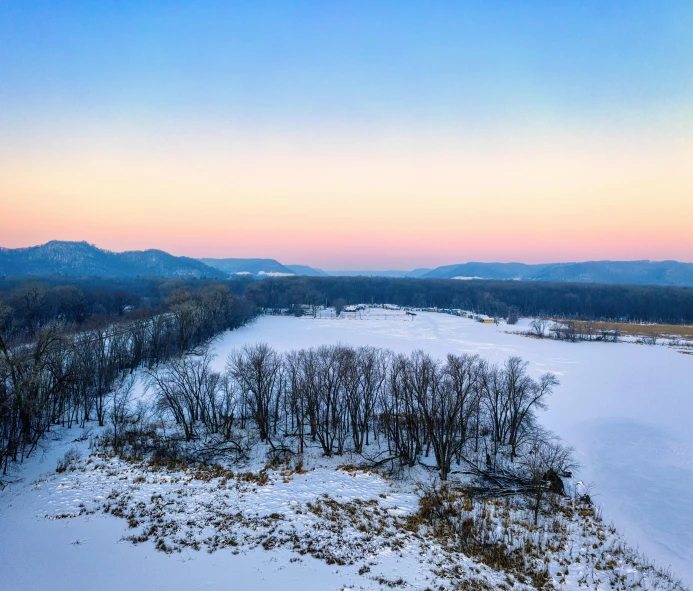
71,456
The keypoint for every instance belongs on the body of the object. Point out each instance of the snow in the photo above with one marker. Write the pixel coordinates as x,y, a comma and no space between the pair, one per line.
626,408
317,526
87,552
222,533
275,274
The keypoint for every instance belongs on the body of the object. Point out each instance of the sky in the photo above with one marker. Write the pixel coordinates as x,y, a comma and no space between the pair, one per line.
350,135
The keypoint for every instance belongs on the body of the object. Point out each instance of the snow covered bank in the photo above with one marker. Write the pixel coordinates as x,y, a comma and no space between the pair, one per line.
626,408
322,526
110,523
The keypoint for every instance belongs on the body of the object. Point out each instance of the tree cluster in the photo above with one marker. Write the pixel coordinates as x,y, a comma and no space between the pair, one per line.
365,400
81,304
66,377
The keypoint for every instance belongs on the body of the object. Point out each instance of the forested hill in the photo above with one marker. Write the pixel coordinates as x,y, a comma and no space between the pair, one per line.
256,267
634,303
611,272
81,259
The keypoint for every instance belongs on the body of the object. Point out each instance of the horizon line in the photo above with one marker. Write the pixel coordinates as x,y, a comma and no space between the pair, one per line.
358,269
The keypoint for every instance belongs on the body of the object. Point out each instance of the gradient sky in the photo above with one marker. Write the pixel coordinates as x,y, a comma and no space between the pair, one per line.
350,135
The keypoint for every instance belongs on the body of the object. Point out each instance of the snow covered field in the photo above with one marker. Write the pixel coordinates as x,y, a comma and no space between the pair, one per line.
107,523
626,408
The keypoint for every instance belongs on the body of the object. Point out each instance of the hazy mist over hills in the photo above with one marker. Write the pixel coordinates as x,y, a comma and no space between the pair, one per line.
269,267
84,259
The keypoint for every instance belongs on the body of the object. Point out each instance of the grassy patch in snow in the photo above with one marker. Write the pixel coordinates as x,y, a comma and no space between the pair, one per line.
354,518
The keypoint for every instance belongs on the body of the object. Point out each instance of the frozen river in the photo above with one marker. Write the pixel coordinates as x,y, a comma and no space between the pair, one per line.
626,408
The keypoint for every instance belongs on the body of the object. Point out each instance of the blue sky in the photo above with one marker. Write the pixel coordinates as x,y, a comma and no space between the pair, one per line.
238,128
440,62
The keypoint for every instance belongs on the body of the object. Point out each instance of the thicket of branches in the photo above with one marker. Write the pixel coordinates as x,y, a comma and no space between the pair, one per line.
463,414
51,373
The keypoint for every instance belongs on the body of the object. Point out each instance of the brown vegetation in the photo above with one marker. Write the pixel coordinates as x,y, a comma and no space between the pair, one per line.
637,330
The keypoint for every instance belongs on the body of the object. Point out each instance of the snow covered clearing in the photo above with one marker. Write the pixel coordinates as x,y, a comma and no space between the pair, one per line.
626,408
323,523
119,524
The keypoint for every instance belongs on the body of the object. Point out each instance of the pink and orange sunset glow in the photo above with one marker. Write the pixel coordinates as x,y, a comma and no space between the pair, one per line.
382,201
340,158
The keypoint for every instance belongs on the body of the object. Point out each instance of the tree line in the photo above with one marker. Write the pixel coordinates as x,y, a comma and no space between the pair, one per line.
30,303
55,372
584,301
85,301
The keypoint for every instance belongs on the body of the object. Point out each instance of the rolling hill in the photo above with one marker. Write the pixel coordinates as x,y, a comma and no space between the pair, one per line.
306,271
612,272
81,259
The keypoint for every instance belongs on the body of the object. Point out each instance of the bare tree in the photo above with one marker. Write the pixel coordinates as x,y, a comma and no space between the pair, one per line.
446,398
325,372
538,327
295,396
400,414
497,405
257,370
546,462
524,395
187,388
365,377
339,304
186,316
120,411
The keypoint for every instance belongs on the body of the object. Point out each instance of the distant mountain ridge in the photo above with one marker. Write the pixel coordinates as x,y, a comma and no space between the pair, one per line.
612,272
307,271
81,259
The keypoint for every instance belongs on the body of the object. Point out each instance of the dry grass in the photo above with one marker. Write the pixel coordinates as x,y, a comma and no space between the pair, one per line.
460,524
636,330
570,538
